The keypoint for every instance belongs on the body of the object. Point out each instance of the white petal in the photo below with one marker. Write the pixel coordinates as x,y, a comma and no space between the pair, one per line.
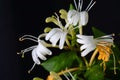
76,18
41,56
84,37
86,51
80,41
34,56
70,15
83,18
62,40
83,47
52,32
43,49
54,39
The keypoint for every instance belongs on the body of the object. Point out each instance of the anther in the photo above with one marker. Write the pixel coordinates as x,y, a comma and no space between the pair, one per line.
29,71
21,39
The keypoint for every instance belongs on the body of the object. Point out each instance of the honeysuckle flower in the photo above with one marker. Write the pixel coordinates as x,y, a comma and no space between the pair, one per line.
57,34
78,16
38,51
103,44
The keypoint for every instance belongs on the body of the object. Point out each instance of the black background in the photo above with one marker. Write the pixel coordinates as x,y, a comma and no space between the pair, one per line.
20,17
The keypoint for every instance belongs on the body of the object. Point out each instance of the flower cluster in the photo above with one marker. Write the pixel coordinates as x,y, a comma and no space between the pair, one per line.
69,37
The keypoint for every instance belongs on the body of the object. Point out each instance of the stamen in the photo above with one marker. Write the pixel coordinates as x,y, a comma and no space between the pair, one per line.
79,4
90,5
31,68
71,76
59,23
21,39
107,36
26,50
28,37
75,4
66,77
114,64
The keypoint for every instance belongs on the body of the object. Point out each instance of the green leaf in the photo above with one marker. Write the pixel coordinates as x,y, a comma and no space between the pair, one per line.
94,73
60,62
97,32
71,7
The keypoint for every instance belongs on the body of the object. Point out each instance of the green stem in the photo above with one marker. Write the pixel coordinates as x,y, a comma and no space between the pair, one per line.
80,30
93,57
68,70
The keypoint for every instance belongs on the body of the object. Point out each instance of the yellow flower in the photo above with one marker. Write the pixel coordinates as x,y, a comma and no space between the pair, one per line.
102,44
104,51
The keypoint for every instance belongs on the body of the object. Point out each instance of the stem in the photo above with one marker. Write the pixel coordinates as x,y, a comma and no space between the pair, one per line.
86,62
80,30
68,70
93,57
67,42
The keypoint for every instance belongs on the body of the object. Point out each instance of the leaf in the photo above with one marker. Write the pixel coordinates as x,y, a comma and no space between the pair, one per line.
97,32
94,73
60,62
71,7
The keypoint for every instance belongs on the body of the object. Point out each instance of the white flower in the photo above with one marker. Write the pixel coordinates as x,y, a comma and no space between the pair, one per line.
38,51
55,35
78,16
89,43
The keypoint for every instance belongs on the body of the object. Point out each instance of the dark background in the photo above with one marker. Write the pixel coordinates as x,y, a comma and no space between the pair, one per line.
20,17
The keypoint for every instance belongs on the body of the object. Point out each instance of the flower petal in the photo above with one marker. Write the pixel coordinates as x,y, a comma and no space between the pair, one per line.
52,32
62,40
54,39
34,56
43,49
87,50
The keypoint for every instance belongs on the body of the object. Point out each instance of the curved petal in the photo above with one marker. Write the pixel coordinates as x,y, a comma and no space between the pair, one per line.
34,56
80,41
76,18
54,39
86,51
43,49
83,18
62,40
52,32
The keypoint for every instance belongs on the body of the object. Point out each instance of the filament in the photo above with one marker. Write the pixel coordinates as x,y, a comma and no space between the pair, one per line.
59,23
32,68
26,50
90,5
81,5
114,64
28,37
71,76
66,77
75,4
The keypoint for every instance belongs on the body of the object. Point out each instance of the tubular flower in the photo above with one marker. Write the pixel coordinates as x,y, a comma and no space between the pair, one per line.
78,16
38,51
56,34
103,44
